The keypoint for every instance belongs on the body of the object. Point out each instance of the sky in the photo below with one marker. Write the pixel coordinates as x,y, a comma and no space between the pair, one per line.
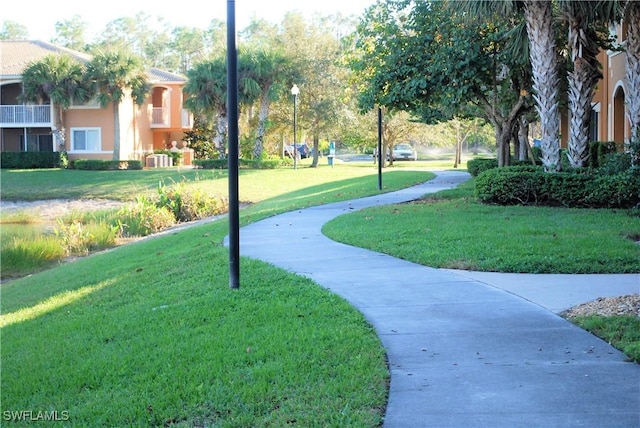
40,16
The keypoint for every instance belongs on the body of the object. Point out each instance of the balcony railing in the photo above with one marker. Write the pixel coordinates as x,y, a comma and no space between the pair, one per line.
187,119
25,115
160,118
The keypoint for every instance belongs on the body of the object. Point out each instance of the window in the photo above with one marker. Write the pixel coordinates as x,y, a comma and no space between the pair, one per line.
37,143
85,140
593,122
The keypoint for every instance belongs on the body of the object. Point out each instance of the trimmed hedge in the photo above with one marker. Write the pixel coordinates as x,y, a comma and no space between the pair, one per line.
224,164
599,151
533,186
106,165
477,166
30,160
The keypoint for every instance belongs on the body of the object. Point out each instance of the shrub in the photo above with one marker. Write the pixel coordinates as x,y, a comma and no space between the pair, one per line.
211,163
106,165
143,217
599,151
477,166
579,188
188,204
30,160
510,185
80,238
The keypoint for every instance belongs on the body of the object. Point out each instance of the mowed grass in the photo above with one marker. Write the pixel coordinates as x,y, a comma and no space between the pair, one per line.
452,230
149,334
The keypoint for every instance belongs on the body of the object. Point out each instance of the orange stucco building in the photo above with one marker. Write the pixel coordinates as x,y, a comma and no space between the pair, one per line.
90,129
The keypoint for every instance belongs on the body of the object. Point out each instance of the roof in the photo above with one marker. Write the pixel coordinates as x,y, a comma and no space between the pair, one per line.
16,55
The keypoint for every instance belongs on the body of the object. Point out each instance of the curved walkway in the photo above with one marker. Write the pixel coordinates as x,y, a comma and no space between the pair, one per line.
465,349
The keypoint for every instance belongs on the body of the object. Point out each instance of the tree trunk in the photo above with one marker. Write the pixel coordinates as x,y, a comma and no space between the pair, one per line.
582,85
546,83
116,131
262,125
633,68
523,137
221,136
504,147
316,148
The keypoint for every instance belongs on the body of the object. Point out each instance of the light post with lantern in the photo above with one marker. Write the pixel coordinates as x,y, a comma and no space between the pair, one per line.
295,91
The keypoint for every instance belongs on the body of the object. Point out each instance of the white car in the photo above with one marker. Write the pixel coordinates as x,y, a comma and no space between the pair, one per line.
404,152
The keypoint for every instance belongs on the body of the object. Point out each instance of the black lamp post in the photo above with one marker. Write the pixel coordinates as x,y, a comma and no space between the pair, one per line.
295,91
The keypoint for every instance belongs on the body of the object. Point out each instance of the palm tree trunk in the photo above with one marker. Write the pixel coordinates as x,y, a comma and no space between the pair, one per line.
582,82
221,135
633,68
582,85
546,83
262,125
116,131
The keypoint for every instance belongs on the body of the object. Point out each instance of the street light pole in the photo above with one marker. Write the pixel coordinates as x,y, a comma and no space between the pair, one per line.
295,91
232,114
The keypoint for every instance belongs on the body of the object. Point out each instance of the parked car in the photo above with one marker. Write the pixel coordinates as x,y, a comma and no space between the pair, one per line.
301,149
404,152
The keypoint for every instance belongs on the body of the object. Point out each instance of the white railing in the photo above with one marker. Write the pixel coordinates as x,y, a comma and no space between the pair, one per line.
187,118
159,116
25,115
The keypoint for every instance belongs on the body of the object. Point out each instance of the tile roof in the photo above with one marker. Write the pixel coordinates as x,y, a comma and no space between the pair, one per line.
16,55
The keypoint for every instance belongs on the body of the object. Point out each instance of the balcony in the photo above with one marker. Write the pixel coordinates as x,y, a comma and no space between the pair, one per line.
25,116
161,118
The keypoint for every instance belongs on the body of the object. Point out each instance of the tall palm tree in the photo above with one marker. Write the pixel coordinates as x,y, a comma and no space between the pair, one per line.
206,96
539,20
59,79
113,75
546,81
581,17
265,68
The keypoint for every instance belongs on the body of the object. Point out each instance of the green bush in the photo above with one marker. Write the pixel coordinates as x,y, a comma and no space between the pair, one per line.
478,165
242,163
510,185
579,188
599,151
143,217
30,160
188,204
211,163
106,165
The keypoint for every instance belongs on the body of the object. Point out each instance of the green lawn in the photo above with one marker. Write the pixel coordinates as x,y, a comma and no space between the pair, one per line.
150,334
454,231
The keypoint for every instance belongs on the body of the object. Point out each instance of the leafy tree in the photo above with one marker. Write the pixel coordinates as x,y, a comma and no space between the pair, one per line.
71,33
189,46
59,79
543,55
314,54
266,68
114,75
12,30
430,60
200,138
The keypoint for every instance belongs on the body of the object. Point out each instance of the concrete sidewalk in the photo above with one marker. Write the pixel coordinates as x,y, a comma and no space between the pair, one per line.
465,349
